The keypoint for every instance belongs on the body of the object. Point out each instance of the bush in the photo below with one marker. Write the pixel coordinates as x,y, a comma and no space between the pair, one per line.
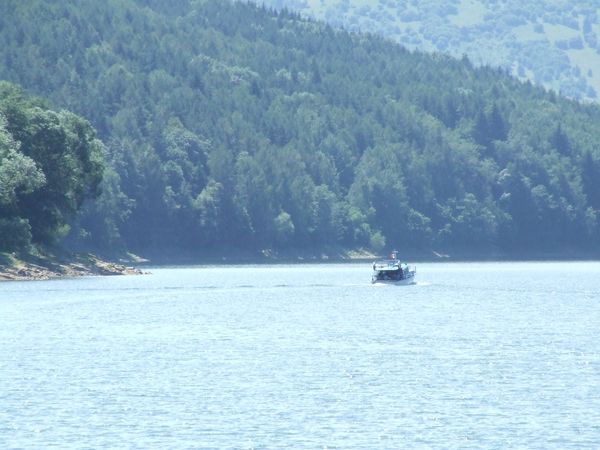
377,241
15,233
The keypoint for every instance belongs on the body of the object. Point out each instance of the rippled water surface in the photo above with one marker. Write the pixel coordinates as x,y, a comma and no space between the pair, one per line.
492,355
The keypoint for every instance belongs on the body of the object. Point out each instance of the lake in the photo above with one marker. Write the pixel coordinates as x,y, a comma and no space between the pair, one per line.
476,355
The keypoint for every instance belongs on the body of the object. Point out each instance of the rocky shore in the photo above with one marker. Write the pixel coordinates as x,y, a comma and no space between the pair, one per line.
15,267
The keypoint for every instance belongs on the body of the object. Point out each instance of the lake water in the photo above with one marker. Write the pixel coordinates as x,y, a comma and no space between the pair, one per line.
476,355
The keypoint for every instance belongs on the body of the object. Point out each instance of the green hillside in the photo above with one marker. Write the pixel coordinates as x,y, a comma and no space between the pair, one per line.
231,126
554,44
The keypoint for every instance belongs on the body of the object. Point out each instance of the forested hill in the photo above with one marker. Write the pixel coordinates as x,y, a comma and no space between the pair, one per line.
227,125
552,43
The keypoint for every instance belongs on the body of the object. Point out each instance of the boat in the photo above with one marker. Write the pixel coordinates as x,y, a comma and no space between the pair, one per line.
393,271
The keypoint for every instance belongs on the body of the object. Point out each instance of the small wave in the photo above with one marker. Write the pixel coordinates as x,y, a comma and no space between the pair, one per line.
173,288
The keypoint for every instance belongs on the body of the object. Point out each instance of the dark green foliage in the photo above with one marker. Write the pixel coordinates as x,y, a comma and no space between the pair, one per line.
230,125
49,163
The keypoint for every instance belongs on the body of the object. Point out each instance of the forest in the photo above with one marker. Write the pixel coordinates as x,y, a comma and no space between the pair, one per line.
229,126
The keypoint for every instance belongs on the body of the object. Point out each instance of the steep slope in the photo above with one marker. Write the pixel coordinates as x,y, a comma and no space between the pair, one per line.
230,125
554,44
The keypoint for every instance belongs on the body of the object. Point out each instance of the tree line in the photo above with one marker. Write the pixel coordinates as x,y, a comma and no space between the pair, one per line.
226,124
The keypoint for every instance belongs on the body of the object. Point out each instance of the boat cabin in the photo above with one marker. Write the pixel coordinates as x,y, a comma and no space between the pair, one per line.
392,270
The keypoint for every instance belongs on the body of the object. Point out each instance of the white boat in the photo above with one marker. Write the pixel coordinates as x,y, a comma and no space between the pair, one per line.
393,271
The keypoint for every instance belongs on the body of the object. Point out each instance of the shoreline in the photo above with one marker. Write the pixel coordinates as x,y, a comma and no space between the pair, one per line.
31,267
356,256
